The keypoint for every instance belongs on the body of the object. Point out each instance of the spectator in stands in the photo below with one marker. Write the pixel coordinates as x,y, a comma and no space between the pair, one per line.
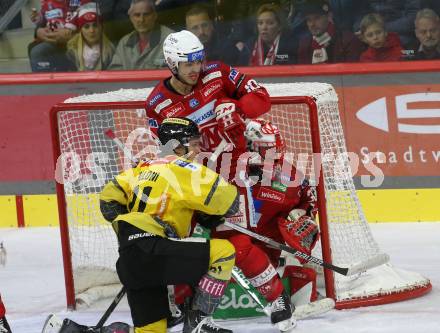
116,22
382,45
141,48
171,11
398,15
200,22
48,52
273,44
90,49
324,44
427,31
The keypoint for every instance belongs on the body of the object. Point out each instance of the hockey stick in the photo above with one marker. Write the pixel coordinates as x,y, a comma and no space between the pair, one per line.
299,254
302,311
111,135
53,323
110,309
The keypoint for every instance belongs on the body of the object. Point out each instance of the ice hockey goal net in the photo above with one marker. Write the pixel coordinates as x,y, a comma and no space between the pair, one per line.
308,117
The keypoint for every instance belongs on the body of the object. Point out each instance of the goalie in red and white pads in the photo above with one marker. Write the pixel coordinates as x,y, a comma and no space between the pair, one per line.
284,213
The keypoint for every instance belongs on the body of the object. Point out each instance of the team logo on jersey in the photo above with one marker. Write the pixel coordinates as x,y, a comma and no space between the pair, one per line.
278,186
204,114
212,88
153,123
271,195
233,74
155,99
173,110
194,103
211,76
162,105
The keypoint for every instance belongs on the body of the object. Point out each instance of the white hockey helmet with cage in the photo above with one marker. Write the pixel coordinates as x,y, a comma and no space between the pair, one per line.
262,136
182,46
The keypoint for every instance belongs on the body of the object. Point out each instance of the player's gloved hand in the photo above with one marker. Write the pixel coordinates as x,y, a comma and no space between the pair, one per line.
230,122
208,221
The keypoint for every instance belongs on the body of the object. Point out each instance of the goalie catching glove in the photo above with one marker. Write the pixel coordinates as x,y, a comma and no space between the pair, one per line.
299,231
231,124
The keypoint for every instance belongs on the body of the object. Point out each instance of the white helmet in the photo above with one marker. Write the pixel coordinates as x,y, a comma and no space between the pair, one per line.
182,46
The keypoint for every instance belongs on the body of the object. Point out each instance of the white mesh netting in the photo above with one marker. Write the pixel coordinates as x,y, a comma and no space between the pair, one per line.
92,241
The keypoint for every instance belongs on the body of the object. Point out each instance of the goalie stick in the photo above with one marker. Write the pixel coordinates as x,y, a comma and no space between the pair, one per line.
299,254
53,323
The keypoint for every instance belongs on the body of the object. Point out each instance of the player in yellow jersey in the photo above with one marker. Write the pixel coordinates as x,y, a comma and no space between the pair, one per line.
151,207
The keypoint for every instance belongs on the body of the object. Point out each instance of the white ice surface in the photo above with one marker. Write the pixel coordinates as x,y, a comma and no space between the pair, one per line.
32,286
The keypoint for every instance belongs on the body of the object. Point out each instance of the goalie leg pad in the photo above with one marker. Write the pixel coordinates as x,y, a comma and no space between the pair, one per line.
256,266
302,284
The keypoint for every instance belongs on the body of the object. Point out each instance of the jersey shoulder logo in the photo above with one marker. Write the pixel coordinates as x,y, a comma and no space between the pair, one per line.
233,74
155,99
153,123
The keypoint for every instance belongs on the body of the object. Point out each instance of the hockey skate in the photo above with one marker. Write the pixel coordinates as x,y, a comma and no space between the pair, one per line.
281,313
196,321
55,324
175,319
4,326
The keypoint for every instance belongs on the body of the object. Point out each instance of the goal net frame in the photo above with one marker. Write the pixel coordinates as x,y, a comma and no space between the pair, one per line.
416,287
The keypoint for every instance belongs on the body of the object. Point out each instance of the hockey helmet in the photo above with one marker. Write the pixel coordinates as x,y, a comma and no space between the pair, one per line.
264,136
180,129
182,46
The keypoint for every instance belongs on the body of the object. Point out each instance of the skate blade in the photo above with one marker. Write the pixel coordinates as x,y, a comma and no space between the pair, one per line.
314,308
52,324
286,326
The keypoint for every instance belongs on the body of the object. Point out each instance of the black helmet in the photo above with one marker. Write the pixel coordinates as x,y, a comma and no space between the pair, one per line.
180,129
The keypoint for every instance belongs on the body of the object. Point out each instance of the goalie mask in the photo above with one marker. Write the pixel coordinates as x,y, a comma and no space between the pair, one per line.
175,132
182,46
264,137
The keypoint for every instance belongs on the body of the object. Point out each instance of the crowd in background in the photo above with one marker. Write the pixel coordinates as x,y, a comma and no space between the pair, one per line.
78,35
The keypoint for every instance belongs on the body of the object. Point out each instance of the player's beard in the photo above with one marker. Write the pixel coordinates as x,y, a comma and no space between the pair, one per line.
191,79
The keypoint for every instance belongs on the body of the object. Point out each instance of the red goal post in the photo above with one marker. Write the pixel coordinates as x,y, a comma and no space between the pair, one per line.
314,137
